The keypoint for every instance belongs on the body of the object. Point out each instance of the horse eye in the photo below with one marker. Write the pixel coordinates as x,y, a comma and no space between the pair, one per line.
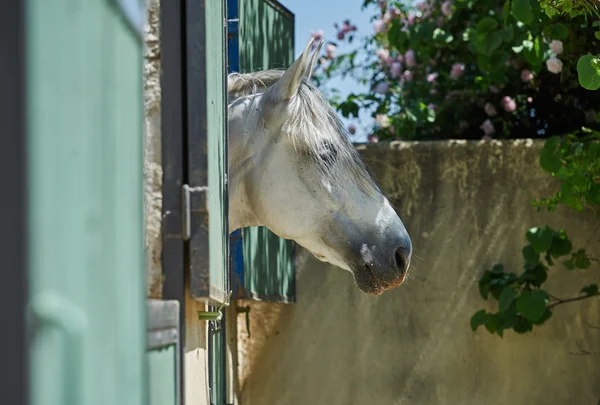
327,153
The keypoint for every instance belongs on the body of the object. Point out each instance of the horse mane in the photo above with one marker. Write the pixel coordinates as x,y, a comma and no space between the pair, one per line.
313,125
245,84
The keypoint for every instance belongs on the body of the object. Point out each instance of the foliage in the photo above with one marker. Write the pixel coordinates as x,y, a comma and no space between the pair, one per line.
473,68
575,161
522,300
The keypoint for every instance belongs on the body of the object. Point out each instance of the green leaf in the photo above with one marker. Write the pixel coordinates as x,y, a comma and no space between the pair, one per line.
561,245
521,10
590,290
582,262
396,36
491,325
488,43
588,73
545,317
484,284
540,238
549,157
569,264
533,51
532,304
486,25
559,31
530,255
508,33
597,34
593,196
478,319
537,275
506,11
498,268
506,298
522,325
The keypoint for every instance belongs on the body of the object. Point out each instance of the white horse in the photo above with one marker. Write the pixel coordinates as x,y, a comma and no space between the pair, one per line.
293,169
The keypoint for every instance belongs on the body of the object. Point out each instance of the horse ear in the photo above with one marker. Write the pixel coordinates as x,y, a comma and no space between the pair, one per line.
287,86
313,60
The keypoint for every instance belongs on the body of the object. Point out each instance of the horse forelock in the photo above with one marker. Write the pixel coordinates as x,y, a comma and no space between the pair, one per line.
313,125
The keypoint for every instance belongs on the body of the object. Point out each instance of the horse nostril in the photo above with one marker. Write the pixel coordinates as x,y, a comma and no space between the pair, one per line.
401,259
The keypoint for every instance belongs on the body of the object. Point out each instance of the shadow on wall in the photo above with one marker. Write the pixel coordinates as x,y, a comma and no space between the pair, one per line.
467,206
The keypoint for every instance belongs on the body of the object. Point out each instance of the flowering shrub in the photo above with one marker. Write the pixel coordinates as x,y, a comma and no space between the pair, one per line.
473,68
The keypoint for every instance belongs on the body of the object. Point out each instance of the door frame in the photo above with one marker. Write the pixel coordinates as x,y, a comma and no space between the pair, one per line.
14,369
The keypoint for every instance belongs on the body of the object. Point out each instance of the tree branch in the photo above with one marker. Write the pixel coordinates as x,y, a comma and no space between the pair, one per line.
566,300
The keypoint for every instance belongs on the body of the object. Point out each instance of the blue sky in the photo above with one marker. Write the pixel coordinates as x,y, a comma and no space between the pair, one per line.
313,15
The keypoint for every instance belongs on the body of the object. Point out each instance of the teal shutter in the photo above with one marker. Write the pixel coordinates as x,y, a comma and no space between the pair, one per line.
207,149
266,41
84,117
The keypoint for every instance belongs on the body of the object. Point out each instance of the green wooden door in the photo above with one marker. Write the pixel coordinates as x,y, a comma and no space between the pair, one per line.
84,117
207,149
266,42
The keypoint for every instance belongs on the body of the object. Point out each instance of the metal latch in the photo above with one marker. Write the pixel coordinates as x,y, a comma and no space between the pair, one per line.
186,209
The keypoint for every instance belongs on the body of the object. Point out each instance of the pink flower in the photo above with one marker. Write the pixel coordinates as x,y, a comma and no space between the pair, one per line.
490,110
526,75
387,17
394,11
396,70
487,127
529,100
351,129
382,4
381,88
431,77
457,70
447,8
486,138
330,51
554,65
407,76
317,35
382,120
383,54
340,35
556,46
346,28
379,26
431,106
389,60
410,19
433,92
422,5
410,58
509,104
373,138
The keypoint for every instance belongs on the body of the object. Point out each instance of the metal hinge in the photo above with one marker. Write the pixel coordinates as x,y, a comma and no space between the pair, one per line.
186,208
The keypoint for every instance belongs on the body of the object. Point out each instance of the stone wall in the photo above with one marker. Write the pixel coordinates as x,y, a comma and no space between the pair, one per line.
466,206
152,152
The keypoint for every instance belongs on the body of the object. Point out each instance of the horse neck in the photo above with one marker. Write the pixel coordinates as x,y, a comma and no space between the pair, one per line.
242,149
